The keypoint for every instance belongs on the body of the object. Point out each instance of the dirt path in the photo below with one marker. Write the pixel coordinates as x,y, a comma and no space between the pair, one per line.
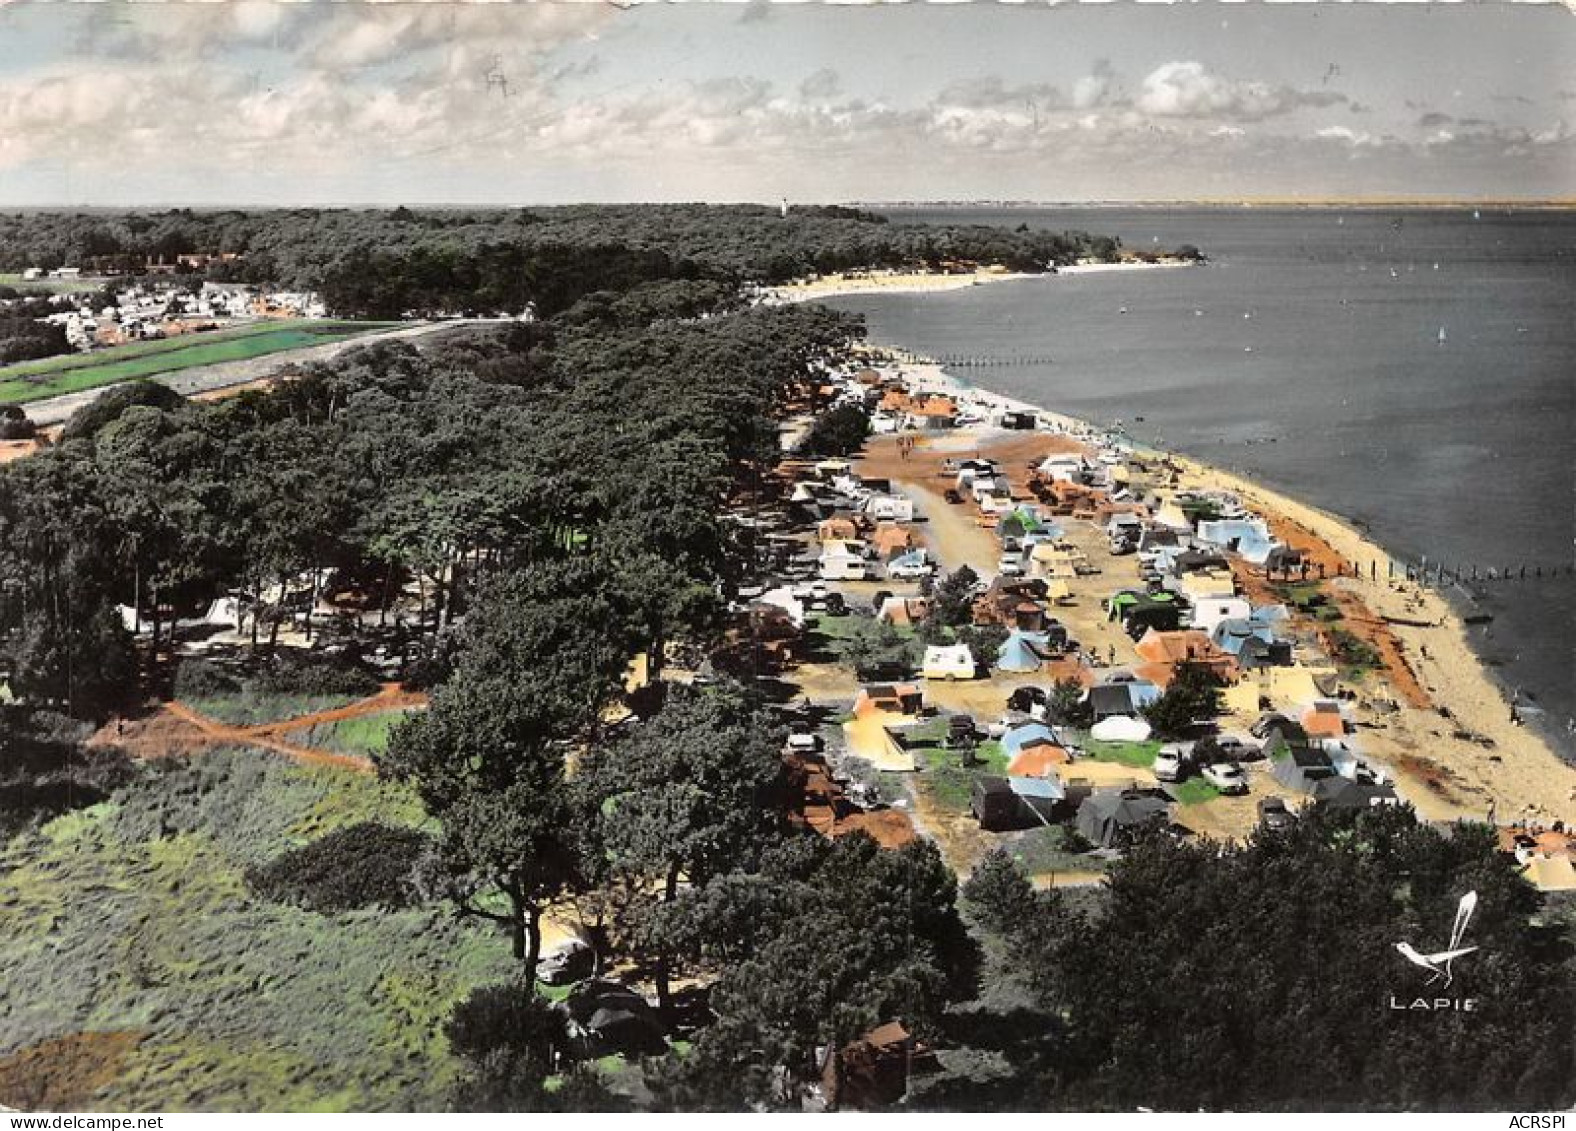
176,730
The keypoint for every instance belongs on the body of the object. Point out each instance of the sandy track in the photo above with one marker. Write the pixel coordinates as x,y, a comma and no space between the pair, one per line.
177,730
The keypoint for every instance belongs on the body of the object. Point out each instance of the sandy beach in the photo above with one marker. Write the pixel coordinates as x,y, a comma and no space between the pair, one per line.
931,282
1433,713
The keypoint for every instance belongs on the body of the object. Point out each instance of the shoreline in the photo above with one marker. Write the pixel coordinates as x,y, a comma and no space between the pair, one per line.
1457,753
929,282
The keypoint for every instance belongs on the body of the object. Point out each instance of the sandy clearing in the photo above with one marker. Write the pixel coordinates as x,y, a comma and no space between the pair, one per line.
177,730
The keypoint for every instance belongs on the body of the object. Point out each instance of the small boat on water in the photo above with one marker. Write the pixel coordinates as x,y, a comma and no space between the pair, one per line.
1441,335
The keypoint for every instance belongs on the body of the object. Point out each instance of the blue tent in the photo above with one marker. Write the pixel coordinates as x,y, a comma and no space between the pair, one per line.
1023,652
1230,635
1047,789
1224,532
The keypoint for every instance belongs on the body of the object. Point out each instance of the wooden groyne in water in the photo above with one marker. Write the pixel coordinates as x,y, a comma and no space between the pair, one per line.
1423,572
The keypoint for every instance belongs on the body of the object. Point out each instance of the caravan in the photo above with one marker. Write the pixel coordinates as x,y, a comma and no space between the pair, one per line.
843,561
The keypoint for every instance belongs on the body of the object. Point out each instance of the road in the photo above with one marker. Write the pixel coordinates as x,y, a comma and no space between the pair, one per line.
207,378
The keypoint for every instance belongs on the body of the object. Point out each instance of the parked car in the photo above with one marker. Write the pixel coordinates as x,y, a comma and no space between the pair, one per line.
804,742
999,727
571,962
961,730
1235,748
910,570
1226,777
606,1018
1273,813
1011,565
1171,763
952,495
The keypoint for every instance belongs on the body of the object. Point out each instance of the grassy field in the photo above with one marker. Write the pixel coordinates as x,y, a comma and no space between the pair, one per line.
49,286
1140,755
1194,791
364,735
50,377
142,974
1054,849
951,782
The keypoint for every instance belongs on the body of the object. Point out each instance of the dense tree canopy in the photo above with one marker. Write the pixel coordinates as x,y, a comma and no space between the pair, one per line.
390,262
1265,976
613,439
821,944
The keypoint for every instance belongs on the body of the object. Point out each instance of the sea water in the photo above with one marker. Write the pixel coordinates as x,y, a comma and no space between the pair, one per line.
1413,371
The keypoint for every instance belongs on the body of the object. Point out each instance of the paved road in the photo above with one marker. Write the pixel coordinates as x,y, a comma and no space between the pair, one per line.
206,378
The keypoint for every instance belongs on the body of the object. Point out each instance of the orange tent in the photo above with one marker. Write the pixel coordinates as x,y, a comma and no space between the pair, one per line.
1038,760
889,540
1323,720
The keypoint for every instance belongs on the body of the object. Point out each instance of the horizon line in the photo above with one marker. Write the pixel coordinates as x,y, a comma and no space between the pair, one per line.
911,202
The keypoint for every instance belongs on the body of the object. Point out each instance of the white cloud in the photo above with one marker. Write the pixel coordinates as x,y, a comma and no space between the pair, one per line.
1185,89
1095,88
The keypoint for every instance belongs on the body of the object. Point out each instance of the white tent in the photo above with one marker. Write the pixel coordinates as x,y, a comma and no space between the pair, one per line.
784,599
1120,728
948,661
225,611
1210,611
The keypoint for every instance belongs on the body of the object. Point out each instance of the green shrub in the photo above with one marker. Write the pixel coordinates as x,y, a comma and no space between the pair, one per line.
1352,650
507,1017
204,679
999,893
365,865
838,432
304,674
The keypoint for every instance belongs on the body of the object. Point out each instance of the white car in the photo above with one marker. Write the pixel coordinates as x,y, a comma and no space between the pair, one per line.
1226,777
804,742
1170,763
1238,748
1010,566
910,570
1000,727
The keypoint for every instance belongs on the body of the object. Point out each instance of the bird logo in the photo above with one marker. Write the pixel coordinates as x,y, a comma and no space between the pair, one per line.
1439,964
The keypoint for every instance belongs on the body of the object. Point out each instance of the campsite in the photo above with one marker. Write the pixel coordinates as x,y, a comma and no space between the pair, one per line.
765,758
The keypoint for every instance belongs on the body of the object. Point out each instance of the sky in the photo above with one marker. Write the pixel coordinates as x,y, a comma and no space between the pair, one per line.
262,102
